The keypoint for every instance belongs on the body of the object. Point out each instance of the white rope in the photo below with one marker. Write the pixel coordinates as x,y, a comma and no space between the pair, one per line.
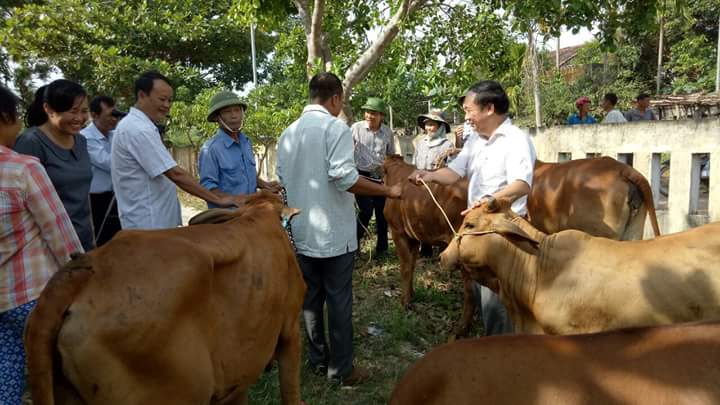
440,207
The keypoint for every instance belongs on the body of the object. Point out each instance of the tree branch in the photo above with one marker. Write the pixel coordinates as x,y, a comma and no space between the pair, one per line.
360,69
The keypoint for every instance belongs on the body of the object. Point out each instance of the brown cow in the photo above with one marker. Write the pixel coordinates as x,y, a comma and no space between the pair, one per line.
600,196
670,365
572,282
180,316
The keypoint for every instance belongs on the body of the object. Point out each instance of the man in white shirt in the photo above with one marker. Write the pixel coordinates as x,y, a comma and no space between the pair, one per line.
613,116
144,174
99,138
499,163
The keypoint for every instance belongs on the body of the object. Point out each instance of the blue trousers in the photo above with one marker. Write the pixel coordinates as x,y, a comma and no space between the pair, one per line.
12,353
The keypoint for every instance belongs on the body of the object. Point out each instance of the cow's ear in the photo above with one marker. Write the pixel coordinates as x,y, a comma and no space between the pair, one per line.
289,212
511,228
212,216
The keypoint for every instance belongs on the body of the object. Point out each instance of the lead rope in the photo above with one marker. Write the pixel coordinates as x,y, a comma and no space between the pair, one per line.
440,207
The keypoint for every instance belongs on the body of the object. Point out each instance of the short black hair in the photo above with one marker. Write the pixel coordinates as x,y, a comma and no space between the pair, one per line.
97,102
612,98
325,85
8,106
490,92
60,95
642,96
144,82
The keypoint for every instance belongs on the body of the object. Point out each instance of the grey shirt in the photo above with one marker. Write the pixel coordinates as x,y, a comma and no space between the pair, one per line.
427,150
315,165
636,115
70,173
371,147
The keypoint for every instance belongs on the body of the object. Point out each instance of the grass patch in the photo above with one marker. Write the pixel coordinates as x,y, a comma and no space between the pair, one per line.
405,337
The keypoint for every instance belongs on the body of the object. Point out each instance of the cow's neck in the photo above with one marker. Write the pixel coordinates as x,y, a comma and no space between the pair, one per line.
516,269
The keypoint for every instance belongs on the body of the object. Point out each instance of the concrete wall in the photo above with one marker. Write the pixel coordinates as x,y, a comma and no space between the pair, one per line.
645,142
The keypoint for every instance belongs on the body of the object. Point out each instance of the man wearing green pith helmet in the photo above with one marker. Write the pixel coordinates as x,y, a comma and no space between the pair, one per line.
373,141
227,163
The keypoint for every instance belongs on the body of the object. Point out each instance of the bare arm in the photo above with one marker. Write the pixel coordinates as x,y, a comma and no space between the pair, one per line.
366,187
513,191
441,176
186,182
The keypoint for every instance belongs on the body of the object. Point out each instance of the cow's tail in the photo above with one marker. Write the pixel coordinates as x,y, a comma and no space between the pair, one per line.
636,178
45,321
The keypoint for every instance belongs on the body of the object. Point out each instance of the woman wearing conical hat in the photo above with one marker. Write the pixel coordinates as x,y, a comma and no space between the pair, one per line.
434,142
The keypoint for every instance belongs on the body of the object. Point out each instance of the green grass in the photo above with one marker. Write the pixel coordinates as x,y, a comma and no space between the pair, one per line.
406,336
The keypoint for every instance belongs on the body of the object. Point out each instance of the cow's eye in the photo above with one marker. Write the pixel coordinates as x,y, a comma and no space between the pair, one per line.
469,225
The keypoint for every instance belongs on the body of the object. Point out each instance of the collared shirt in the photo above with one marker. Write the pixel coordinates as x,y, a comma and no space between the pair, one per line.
493,163
98,146
428,149
228,165
371,147
635,115
71,174
146,198
575,119
614,117
36,234
315,164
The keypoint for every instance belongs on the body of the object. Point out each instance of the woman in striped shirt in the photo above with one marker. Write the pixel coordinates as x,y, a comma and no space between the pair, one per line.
36,238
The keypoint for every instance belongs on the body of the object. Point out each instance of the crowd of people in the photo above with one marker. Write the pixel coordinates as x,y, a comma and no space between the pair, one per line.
68,186
641,112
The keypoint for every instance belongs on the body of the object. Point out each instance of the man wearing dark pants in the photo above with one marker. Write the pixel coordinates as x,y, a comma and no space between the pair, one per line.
105,117
373,140
316,167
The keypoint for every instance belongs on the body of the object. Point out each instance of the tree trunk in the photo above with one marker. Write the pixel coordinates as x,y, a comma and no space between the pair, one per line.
532,55
318,52
717,72
360,69
660,51
557,54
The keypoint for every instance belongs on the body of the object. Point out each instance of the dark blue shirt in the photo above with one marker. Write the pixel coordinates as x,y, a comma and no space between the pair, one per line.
70,173
228,165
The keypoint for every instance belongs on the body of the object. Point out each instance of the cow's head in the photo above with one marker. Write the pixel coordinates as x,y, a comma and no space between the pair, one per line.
255,204
480,236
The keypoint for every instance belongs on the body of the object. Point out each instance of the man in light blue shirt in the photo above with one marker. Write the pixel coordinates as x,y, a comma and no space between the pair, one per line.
144,175
227,162
316,166
99,137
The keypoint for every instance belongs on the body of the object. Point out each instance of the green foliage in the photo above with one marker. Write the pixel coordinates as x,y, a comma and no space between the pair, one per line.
188,125
107,43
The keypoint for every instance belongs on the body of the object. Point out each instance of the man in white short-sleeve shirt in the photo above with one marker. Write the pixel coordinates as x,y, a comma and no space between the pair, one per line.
498,162
144,174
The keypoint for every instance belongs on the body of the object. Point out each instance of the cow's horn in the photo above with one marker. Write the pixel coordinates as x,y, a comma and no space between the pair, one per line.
289,212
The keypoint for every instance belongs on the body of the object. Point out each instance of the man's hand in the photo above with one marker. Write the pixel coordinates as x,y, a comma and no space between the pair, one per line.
459,131
271,186
476,204
417,175
395,191
231,201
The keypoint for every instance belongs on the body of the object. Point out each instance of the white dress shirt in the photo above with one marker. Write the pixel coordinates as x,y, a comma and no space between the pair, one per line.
99,146
146,198
493,163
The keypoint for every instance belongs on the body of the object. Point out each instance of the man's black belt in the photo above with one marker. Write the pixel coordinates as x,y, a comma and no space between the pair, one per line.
370,176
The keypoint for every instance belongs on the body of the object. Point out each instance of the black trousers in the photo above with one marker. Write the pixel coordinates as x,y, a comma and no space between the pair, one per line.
99,203
329,281
367,206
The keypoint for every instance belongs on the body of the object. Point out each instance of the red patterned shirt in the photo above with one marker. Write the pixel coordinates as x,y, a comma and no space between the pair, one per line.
36,235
